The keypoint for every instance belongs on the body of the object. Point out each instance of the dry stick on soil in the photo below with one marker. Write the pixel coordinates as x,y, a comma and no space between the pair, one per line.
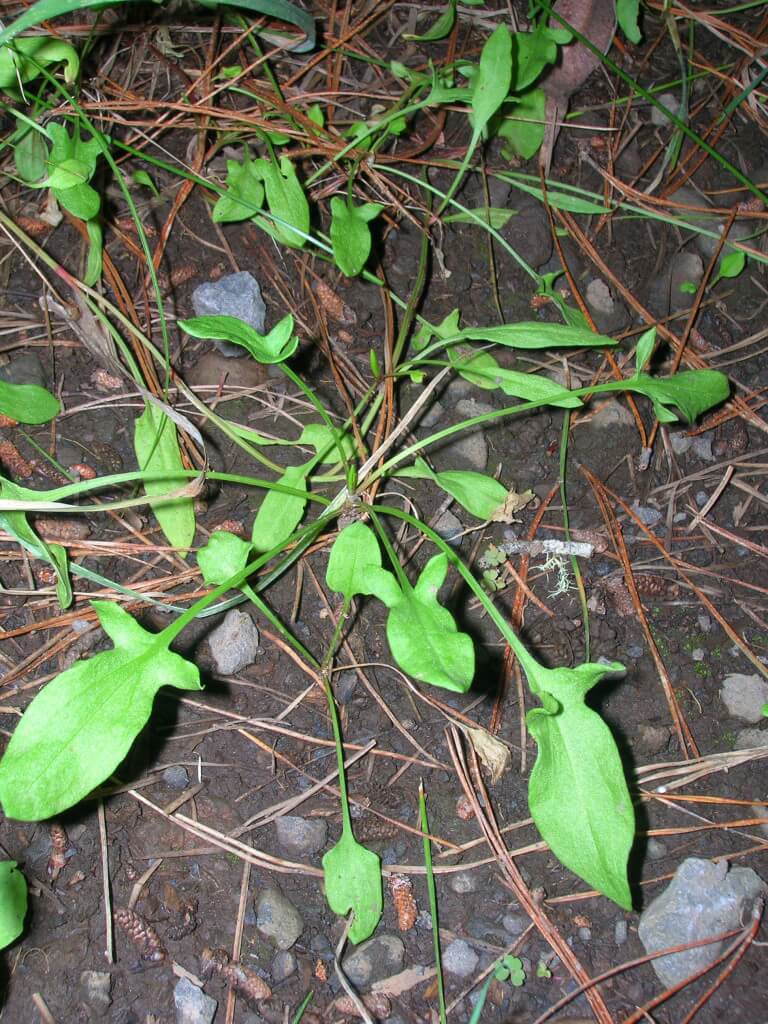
680,567
684,735
737,949
638,962
109,952
40,1005
516,621
238,938
476,793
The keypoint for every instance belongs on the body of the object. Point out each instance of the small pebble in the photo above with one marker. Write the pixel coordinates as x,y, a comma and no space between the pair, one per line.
283,966
704,622
658,117
698,654
701,498
193,1006
176,777
301,836
635,651
460,959
585,934
620,932
463,882
515,924
655,849
647,516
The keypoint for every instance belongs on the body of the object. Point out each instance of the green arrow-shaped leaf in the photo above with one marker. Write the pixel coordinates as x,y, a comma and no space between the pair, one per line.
80,727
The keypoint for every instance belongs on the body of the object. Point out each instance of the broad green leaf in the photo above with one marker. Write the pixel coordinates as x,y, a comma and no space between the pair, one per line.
493,79
81,725
692,392
244,196
280,513
95,253
537,335
44,10
644,349
447,328
13,902
30,154
350,234
423,637
577,793
27,403
286,200
492,215
68,174
16,524
21,62
627,12
522,126
354,566
483,370
531,53
60,561
731,265
441,27
276,346
353,882
157,450
223,557
144,178
326,442
476,492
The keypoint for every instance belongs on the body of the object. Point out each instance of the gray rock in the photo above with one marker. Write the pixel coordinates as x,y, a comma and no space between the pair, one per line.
609,313
460,959
744,696
698,654
344,686
176,777
647,515
193,1006
450,528
528,231
301,836
466,451
96,987
660,119
378,958
277,919
680,442
746,739
283,966
704,622
702,447
235,643
515,924
655,849
463,882
235,295
610,415
702,899
585,934
24,368
620,932
667,292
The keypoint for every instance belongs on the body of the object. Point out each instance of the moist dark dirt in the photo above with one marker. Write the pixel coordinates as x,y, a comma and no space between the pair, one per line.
244,755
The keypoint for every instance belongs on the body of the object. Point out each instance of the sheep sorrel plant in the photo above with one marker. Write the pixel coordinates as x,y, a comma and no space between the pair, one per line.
80,727
343,481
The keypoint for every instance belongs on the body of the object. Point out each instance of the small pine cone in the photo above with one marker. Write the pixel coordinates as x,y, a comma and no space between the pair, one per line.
245,982
405,905
334,306
142,934
321,971
655,586
59,847
14,462
84,471
376,1003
